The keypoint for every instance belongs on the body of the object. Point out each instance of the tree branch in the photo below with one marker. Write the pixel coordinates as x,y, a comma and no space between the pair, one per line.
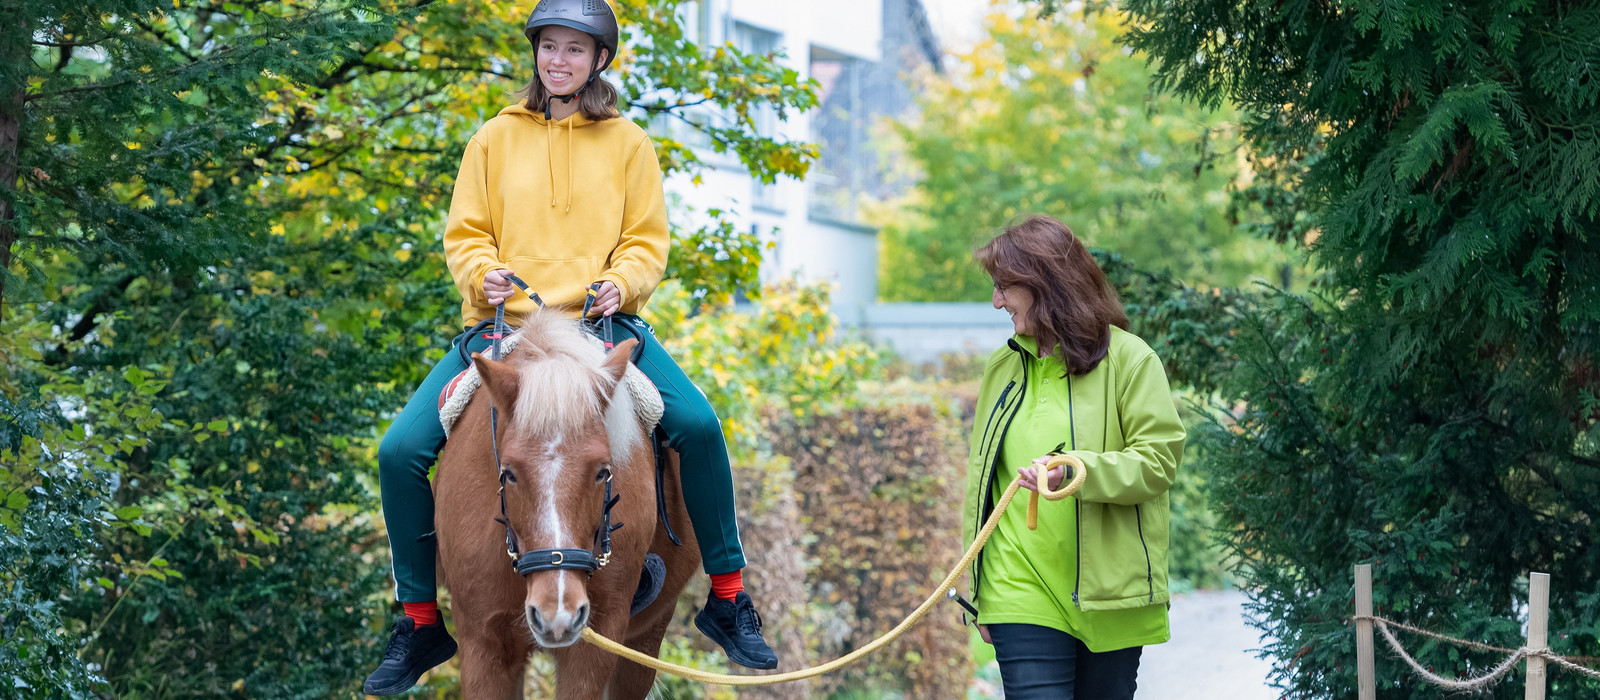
382,68
91,318
663,108
169,41
67,44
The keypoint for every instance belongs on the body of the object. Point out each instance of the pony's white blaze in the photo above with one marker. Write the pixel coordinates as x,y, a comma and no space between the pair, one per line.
561,623
549,519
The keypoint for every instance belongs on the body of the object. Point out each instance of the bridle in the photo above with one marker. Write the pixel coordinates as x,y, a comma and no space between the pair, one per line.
550,558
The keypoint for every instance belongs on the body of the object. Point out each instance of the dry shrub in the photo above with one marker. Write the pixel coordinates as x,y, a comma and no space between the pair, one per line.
879,489
770,524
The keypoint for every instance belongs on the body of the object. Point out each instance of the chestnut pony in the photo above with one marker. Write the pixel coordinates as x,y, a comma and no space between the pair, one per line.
567,423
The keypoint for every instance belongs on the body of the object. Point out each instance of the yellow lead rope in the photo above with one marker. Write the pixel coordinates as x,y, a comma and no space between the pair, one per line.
694,674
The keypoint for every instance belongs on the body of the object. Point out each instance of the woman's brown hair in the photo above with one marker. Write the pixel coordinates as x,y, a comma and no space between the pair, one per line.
596,101
1074,307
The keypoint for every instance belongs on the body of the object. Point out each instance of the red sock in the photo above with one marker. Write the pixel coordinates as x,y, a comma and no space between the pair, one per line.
423,614
727,586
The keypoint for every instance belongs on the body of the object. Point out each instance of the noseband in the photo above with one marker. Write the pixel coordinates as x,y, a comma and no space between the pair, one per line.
553,558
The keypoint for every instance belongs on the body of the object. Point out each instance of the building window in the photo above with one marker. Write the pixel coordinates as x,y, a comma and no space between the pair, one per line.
695,16
839,128
757,41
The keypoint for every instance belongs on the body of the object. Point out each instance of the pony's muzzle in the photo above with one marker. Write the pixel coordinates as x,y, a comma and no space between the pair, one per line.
560,629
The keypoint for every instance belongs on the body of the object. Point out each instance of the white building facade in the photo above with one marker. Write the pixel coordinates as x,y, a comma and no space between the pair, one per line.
861,54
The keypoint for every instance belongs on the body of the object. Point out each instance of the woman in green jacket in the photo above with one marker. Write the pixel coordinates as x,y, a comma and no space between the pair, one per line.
1070,606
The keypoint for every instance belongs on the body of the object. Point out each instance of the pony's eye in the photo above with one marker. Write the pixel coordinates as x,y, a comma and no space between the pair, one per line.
509,476
604,475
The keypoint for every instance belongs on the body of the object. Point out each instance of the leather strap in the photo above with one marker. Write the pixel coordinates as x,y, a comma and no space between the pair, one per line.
555,559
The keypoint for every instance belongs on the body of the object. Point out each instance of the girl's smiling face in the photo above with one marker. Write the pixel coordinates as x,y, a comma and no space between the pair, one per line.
566,56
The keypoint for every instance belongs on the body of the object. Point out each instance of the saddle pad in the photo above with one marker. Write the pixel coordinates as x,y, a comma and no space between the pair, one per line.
453,400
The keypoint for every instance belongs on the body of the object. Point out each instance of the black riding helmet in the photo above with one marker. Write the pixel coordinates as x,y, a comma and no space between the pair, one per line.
592,17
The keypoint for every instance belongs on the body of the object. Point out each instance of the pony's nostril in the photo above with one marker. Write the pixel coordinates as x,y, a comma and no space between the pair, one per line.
535,622
583,614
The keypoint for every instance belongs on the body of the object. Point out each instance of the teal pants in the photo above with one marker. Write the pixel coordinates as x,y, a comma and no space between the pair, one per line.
414,439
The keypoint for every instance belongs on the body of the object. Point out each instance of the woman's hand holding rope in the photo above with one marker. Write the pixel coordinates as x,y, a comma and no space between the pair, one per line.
1029,475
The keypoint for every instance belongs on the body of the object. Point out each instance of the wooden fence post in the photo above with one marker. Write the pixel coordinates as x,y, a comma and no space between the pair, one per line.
1538,632
1366,678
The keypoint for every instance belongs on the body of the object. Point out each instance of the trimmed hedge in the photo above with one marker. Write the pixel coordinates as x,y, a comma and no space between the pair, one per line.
876,488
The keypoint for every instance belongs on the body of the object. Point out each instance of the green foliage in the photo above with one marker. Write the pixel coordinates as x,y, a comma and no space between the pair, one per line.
257,490
1432,411
671,75
140,132
1196,557
1191,329
784,355
55,483
715,260
1054,117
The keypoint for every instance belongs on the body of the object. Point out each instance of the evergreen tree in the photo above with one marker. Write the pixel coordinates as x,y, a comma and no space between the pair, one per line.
1432,408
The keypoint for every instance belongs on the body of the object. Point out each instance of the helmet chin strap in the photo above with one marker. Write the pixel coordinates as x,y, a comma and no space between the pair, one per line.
565,99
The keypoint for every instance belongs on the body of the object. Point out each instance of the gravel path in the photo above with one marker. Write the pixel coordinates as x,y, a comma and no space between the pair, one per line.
1209,657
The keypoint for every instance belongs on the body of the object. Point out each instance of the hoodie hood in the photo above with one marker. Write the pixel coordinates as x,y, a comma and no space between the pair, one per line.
576,121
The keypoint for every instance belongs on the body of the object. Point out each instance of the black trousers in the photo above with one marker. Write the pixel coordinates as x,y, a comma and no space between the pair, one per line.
1039,663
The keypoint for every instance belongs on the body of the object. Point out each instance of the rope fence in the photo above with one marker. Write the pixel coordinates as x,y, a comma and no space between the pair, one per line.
1535,652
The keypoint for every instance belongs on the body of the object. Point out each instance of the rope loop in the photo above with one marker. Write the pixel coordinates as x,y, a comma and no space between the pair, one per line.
1079,472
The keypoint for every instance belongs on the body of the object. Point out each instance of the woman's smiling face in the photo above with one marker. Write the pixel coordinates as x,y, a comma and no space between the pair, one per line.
1015,300
566,56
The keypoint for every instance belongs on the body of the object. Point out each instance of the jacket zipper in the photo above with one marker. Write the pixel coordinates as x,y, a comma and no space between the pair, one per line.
988,471
999,410
1077,508
996,411
1149,574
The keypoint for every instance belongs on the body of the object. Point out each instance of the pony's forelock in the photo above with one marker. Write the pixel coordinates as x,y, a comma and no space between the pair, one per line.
561,385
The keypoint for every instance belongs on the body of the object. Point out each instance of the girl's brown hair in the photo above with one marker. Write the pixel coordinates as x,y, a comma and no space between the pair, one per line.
597,101
1074,307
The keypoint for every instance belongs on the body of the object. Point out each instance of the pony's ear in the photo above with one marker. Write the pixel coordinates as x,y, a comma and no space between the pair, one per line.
500,379
617,362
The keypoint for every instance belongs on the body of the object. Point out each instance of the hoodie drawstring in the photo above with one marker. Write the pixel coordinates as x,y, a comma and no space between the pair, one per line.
550,158
570,183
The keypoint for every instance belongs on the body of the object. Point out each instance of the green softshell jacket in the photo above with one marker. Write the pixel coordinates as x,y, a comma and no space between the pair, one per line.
1127,432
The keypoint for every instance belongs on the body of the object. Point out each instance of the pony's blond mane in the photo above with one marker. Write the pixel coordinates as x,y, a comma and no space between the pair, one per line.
561,384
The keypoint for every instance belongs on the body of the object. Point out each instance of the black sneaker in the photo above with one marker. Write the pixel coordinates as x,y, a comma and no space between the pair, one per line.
736,627
412,651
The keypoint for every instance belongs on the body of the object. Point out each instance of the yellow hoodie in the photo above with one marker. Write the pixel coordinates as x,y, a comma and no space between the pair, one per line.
563,203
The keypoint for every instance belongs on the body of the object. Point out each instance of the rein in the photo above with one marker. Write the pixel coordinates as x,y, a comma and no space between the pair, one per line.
550,558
